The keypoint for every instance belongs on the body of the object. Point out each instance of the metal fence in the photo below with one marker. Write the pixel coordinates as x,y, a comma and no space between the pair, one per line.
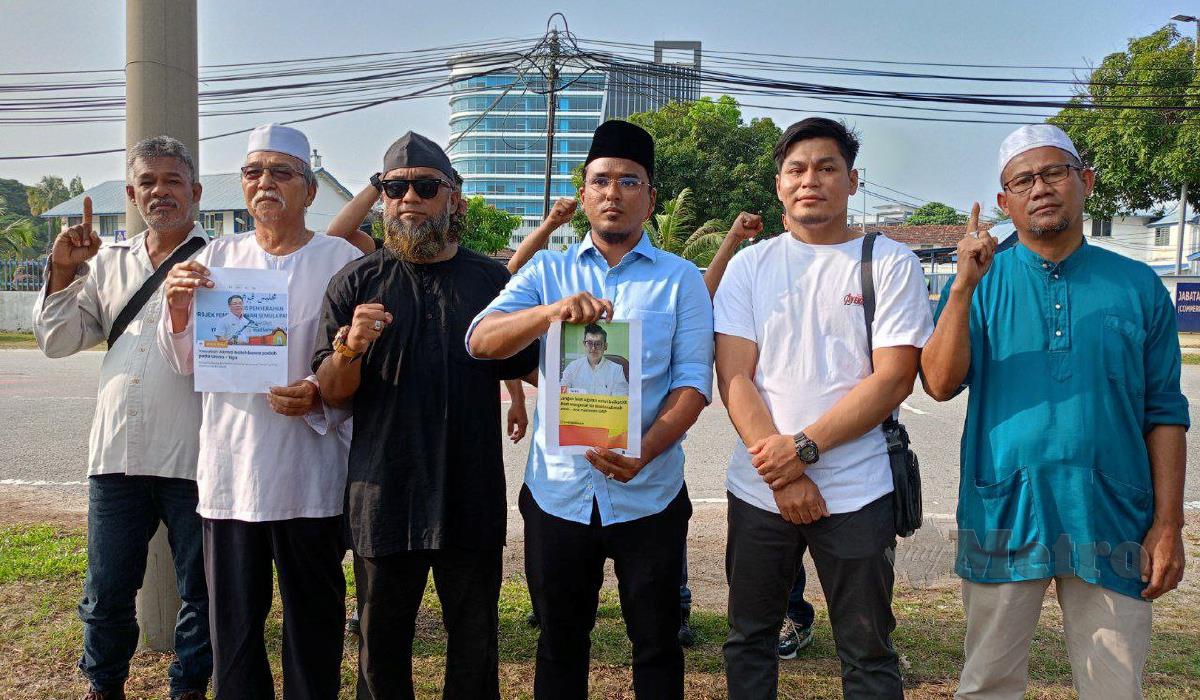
21,275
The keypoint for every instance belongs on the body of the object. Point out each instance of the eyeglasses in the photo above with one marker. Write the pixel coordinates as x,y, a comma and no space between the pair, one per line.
279,173
1055,173
594,344
601,183
425,187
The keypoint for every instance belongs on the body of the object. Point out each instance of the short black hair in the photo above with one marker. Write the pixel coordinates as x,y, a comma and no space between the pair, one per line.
235,296
818,128
594,329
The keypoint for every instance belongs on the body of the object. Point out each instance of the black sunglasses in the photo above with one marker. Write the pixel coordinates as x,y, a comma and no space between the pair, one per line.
426,187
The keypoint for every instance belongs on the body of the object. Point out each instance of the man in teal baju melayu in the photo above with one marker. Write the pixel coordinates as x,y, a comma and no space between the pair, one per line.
1073,450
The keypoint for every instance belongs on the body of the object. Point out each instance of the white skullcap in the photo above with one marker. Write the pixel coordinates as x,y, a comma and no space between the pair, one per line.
281,139
1029,137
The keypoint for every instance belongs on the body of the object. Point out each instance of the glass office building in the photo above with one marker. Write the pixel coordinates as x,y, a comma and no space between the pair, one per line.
498,126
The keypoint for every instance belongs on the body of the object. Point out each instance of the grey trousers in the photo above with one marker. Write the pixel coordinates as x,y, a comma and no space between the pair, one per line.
854,555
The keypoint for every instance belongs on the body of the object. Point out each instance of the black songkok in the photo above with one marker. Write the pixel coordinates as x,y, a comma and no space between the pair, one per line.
620,139
413,150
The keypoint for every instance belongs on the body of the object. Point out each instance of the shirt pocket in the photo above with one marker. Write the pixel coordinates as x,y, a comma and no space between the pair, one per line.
658,330
1123,343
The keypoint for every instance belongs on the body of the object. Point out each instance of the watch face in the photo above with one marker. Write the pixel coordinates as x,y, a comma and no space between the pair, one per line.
808,453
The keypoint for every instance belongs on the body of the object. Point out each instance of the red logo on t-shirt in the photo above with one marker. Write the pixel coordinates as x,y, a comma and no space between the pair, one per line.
852,300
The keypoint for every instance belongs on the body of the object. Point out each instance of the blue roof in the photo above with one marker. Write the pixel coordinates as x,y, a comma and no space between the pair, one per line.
1172,220
222,192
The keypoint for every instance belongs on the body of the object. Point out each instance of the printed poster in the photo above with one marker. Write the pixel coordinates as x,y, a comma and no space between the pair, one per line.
241,331
595,397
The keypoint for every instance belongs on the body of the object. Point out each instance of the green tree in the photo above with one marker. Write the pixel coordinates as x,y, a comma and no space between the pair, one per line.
1141,156
486,229
672,231
76,187
48,193
13,197
936,213
707,147
18,236
998,215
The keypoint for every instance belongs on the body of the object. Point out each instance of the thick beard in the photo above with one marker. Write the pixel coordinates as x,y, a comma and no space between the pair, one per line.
1050,231
615,237
416,242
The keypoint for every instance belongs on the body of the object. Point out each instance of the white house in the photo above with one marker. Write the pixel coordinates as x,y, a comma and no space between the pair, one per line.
1146,238
222,206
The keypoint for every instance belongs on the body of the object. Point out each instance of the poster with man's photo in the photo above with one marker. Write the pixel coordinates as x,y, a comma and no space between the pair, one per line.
241,328
593,397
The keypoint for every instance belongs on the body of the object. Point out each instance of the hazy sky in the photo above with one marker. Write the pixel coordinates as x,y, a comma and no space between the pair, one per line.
954,163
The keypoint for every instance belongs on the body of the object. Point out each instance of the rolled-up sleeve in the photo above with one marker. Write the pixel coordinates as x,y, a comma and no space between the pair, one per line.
70,319
523,291
692,346
1165,403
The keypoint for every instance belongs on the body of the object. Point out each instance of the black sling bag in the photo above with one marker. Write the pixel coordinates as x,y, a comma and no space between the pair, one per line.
134,306
906,471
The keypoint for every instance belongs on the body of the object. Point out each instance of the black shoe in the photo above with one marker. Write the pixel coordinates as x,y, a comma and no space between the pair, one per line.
793,638
532,619
352,625
686,636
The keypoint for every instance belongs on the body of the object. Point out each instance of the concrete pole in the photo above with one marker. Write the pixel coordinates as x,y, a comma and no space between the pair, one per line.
161,86
1183,193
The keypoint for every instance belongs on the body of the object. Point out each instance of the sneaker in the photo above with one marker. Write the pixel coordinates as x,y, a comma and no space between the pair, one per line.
686,636
793,638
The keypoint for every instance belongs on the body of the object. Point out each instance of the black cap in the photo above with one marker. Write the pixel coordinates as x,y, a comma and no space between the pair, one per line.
620,139
413,150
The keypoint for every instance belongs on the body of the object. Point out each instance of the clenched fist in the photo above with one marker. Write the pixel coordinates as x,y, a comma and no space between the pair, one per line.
367,325
746,226
562,211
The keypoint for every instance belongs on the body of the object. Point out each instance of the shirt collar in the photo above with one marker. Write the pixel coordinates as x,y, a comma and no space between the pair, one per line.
643,248
1032,259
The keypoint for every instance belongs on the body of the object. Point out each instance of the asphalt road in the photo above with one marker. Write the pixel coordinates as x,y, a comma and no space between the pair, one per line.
46,410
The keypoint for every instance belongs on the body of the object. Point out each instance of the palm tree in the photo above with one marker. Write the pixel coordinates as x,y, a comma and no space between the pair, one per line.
671,231
18,237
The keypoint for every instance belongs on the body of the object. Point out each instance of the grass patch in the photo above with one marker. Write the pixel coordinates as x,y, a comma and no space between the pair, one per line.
17,341
1190,359
41,576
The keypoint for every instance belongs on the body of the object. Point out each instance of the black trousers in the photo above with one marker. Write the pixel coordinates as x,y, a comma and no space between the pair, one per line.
854,555
564,562
389,596
307,553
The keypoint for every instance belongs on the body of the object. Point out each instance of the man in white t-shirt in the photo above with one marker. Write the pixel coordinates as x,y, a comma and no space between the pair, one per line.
811,469
594,373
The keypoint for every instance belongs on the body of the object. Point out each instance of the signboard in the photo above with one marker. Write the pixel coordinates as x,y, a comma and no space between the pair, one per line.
1187,306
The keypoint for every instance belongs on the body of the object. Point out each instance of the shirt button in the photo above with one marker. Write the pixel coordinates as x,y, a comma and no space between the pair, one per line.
142,349
1045,265
135,380
1055,275
133,411
1058,306
1058,333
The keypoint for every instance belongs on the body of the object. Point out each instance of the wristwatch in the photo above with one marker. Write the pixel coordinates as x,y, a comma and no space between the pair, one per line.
340,347
806,449
376,182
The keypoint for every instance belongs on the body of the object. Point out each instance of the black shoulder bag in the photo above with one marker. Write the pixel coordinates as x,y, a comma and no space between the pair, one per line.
906,471
134,306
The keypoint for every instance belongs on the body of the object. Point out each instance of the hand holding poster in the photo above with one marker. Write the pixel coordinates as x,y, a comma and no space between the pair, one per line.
594,398
241,328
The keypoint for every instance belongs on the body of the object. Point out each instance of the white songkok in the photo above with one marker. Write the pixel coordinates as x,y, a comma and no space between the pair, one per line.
281,139
1029,137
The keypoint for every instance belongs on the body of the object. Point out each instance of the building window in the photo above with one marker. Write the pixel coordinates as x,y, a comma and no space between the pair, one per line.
1162,235
213,222
242,221
1101,228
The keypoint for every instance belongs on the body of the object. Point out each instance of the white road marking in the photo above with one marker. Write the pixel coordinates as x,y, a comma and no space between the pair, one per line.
39,482
917,411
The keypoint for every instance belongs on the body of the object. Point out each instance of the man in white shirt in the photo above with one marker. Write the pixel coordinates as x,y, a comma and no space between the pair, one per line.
811,470
143,445
272,468
595,373
232,326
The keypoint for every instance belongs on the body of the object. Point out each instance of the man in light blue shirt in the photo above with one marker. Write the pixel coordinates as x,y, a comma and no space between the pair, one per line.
580,511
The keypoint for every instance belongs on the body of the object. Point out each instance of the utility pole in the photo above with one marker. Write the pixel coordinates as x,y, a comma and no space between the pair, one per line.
1183,189
161,97
551,105
862,185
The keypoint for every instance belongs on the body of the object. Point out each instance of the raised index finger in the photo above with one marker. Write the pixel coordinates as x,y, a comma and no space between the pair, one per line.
973,222
87,214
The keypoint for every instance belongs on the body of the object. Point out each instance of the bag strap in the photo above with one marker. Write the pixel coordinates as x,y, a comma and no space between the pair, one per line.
867,277
134,306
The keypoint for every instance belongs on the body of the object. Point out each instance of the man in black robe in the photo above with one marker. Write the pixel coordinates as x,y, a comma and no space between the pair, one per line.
426,476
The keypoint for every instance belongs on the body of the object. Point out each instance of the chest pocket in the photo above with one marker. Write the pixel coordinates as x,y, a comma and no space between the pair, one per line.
1123,350
658,329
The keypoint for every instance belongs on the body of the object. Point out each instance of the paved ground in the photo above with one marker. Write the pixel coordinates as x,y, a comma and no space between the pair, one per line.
47,405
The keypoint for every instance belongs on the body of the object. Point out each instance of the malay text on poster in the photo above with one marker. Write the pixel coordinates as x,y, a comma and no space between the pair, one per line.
593,397
241,331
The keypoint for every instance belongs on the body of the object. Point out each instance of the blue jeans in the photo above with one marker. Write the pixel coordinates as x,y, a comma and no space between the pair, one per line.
799,610
123,514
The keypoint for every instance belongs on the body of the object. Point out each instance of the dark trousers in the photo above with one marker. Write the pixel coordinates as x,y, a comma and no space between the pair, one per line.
853,553
799,609
123,514
307,554
389,596
564,562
